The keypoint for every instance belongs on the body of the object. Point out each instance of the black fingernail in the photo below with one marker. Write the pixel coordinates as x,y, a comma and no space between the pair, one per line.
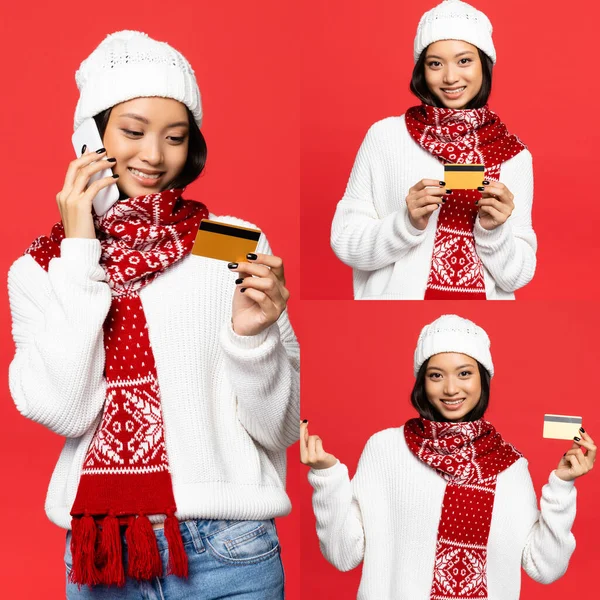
442,183
443,200
232,266
101,151
240,280
251,256
305,421
83,148
243,289
115,176
476,202
486,182
564,454
582,430
577,439
111,160
480,189
448,191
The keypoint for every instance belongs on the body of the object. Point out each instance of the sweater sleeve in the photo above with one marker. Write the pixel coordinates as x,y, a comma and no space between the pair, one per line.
509,251
264,371
359,236
339,521
56,376
550,543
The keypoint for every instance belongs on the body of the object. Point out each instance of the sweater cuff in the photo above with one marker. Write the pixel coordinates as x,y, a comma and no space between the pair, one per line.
491,238
316,476
412,230
328,471
84,250
232,341
558,485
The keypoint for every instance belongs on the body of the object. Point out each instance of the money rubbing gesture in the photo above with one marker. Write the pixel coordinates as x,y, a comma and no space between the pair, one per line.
311,450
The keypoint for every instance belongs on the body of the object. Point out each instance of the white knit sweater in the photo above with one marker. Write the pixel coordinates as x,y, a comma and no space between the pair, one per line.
230,403
371,231
388,518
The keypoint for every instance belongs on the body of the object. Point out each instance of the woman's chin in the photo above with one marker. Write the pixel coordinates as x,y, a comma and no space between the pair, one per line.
448,102
455,105
134,191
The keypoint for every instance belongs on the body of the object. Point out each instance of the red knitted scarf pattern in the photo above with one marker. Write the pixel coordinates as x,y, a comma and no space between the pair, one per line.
125,474
469,456
467,136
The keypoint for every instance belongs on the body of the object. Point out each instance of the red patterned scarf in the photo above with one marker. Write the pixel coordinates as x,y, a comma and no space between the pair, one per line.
469,457
465,136
125,474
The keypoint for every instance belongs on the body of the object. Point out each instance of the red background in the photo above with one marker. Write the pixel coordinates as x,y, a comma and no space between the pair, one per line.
546,361
357,61
246,62
356,64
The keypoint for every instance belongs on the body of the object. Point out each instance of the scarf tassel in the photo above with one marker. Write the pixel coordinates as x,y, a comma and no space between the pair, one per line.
178,559
83,551
111,553
144,557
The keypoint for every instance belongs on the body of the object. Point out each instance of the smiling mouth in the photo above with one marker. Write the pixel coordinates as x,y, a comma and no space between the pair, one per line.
452,402
149,176
455,91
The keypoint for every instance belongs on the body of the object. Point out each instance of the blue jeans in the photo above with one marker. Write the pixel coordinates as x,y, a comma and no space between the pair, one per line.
227,559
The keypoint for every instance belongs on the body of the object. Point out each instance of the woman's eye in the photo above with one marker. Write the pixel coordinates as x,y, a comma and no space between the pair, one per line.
434,375
465,373
468,60
434,63
177,139
130,132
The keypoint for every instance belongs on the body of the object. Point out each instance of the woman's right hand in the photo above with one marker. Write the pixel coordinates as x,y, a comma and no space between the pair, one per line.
74,201
423,199
311,450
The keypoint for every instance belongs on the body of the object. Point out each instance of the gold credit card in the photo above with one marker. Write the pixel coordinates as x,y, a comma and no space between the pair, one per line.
561,427
463,177
225,242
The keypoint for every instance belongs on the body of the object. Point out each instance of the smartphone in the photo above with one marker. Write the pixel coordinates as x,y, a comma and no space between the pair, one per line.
87,133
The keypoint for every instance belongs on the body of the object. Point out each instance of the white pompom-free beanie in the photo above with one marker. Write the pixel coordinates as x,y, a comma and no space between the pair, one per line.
451,333
455,20
130,64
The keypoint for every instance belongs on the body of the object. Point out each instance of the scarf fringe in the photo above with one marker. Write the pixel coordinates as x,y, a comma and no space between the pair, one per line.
144,557
178,560
111,552
98,554
83,551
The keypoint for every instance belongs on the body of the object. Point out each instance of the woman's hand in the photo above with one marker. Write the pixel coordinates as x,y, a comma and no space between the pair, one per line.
575,463
260,296
495,205
74,201
311,450
423,199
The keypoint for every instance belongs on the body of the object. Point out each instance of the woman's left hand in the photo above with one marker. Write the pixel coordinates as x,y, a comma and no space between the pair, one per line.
261,297
495,205
575,463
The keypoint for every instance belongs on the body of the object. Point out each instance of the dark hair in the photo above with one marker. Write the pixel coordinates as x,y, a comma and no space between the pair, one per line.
196,157
418,85
418,397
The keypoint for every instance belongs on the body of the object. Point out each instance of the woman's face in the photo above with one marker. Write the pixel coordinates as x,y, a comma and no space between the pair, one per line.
453,384
453,72
149,138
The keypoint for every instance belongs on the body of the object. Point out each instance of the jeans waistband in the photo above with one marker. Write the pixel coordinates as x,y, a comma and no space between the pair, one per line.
195,530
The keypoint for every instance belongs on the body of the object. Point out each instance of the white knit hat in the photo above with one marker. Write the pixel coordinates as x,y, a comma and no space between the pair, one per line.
130,64
451,333
455,20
